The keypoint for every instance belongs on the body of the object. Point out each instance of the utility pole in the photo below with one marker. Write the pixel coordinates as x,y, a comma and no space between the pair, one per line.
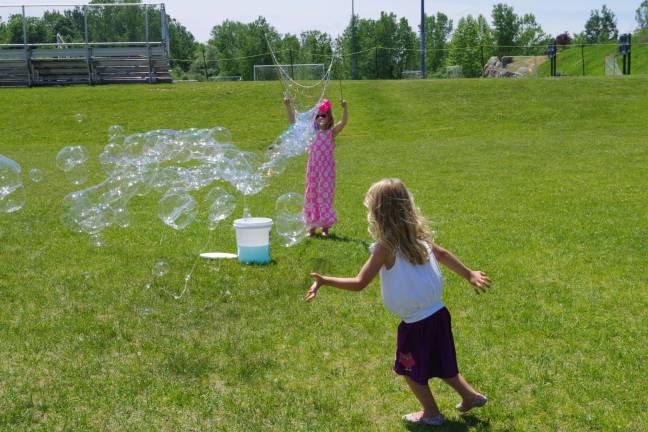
354,55
422,39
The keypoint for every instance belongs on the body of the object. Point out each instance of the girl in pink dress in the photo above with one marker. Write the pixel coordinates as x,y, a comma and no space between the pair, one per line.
320,170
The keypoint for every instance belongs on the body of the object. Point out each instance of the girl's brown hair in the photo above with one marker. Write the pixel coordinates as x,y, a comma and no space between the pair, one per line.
396,222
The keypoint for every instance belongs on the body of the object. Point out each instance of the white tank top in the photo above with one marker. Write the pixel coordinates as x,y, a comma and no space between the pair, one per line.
411,291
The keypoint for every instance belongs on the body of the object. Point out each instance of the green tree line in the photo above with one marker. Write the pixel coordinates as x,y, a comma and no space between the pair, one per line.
386,47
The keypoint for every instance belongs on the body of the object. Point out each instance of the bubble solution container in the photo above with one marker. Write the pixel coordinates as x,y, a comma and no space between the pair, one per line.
253,239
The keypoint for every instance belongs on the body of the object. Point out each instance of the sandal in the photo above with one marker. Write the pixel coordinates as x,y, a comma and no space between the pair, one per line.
413,418
477,401
325,233
311,233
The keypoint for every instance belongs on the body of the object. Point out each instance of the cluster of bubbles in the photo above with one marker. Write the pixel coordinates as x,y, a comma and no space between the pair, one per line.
12,190
175,164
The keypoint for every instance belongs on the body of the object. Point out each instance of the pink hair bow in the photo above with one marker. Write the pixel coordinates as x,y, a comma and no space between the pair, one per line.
325,106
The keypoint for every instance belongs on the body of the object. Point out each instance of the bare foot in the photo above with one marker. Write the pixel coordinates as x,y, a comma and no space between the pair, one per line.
478,400
424,418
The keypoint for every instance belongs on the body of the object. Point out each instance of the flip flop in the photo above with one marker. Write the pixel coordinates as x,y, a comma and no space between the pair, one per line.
476,402
413,418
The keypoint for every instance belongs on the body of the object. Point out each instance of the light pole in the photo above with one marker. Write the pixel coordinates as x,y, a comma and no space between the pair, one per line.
354,55
422,38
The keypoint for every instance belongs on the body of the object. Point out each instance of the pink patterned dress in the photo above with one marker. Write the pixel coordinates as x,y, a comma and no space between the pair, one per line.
320,182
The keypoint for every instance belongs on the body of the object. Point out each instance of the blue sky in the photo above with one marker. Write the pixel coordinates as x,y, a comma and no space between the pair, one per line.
332,16
294,16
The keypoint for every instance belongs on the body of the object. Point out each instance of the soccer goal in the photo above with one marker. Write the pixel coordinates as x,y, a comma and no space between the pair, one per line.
298,72
612,66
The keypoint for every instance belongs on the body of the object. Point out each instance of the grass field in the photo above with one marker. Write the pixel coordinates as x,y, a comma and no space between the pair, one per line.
540,183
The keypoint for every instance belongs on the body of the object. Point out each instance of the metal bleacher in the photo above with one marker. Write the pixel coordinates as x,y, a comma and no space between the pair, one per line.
27,65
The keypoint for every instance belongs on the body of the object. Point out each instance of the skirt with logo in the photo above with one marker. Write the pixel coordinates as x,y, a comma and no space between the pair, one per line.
425,349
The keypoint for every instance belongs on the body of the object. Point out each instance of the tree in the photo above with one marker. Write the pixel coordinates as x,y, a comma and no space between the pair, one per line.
405,54
601,26
438,29
181,44
465,46
642,16
506,26
315,47
240,46
531,38
563,39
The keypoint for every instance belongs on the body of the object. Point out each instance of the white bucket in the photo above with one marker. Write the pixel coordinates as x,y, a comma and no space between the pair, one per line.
253,239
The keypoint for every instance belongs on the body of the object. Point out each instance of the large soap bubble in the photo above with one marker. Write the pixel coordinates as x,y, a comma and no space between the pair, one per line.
12,190
71,156
177,209
221,205
221,135
78,174
290,223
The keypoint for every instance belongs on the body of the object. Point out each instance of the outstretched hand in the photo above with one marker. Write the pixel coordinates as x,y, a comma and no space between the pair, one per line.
317,283
287,101
479,281
343,103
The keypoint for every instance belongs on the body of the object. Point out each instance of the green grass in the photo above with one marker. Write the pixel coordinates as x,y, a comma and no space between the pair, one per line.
540,183
570,60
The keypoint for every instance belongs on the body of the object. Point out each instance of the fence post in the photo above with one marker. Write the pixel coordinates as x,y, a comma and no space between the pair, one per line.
164,30
148,45
204,62
26,49
292,69
629,53
85,40
376,55
583,58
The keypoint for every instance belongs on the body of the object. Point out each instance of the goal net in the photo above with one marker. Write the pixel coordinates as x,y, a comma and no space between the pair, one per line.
611,66
298,72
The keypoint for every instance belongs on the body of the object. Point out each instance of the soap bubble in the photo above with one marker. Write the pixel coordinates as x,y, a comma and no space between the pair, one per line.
78,174
12,191
115,132
97,240
290,223
81,214
221,205
221,135
160,268
177,209
121,217
79,117
36,175
70,156
111,156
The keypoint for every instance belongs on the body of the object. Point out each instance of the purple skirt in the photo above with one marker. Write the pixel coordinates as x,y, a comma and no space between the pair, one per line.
425,349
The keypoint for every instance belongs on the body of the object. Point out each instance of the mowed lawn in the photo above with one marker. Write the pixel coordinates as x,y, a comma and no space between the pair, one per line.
540,183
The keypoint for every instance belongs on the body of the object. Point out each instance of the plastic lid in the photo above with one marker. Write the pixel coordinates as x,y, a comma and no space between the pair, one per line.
253,222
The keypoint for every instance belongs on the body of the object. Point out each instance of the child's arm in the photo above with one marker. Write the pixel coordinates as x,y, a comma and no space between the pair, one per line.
367,274
477,279
289,110
345,117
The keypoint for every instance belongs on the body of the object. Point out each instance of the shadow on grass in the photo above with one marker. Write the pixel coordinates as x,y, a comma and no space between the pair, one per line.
463,424
343,239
